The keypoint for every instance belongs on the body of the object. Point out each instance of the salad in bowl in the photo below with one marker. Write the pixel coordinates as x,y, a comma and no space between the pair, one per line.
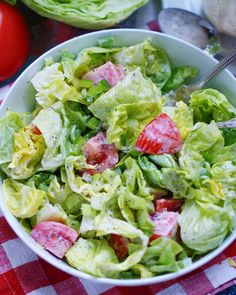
108,174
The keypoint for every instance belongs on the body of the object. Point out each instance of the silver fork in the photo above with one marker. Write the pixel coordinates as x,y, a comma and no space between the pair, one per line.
184,91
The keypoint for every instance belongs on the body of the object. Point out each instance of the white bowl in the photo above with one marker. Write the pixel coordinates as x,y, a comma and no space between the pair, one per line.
21,98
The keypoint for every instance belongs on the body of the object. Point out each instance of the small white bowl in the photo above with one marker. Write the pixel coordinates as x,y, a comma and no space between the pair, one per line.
21,98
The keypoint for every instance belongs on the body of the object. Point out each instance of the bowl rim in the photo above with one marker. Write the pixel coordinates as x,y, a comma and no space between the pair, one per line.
44,254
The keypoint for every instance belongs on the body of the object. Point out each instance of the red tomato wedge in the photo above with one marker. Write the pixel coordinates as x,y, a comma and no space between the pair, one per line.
14,40
54,237
160,136
35,130
109,72
120,245
100,153
154,237
165,224
169,205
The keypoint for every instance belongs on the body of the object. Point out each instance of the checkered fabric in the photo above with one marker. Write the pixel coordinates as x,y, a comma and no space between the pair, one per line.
23,272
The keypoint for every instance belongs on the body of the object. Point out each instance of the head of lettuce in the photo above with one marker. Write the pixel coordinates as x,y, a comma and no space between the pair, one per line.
93,14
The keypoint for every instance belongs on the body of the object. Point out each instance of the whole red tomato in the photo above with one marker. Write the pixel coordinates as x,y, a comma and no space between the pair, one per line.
14,40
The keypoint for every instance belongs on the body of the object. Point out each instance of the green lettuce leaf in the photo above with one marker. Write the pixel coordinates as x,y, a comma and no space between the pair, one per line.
83,14
28,152
204,141
90,255
50,212
53,129
107,182
224,174
142,271
76,183
103,224
76,115
134,180
229,135
175,181
132,90
51,86
178,76
165,255
164,161
227,153
153,62
207,193
23,201
135,210
107,225
210,104
151,173
9,124
203,226
182,116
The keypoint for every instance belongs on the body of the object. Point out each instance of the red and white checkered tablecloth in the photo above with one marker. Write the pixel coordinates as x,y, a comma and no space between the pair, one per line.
23,272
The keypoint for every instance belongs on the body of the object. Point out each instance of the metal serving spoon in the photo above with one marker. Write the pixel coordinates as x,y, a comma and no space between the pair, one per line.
186,25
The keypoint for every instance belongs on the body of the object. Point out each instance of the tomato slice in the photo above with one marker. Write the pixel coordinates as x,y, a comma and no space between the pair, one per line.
169,204
35,130
54,237
100,153
109,72
154,237
120,245
165,224
160,136
14,40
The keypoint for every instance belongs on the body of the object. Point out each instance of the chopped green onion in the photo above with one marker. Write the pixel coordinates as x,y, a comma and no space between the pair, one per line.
66,55
81,83
96,90
126,275
85,83
106,42
92,123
